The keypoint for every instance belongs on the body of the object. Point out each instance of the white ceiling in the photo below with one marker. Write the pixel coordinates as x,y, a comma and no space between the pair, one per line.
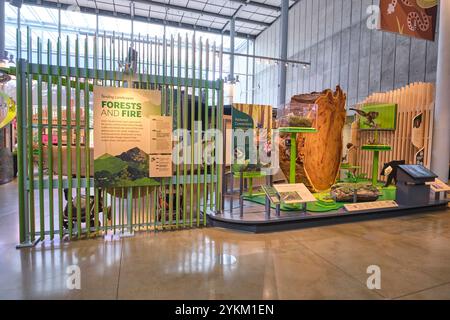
252,16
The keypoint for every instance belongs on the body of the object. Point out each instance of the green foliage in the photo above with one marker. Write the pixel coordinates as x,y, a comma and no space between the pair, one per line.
355,178
128,169
109,163
299,122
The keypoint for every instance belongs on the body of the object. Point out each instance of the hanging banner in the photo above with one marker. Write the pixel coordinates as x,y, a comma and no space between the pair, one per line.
122,144
415,18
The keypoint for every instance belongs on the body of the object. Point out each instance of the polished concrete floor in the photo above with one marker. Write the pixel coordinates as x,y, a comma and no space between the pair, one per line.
331,262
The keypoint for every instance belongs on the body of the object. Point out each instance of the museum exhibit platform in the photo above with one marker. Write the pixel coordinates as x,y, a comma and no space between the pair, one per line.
255,219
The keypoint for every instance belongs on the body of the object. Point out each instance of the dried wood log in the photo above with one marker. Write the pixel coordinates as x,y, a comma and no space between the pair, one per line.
319,154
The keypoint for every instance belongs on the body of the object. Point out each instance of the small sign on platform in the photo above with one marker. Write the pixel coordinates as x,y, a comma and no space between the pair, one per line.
294,193
272,194
367,206
439,186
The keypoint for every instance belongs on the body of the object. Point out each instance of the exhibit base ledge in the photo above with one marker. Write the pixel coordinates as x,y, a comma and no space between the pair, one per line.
300,221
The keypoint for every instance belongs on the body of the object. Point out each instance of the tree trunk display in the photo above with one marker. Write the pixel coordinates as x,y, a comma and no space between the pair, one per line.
319,154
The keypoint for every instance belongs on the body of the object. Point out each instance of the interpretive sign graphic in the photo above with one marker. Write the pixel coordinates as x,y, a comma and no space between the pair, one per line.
415,18
122,125
252,145
294,193
378,117
368,206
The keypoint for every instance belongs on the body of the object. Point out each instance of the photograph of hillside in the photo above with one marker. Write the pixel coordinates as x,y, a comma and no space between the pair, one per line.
130,168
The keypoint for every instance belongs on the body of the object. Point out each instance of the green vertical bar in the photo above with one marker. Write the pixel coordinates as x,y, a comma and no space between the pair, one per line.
59,132
30,136
104,58
87,151
150,61
155,207
156,62
96,191
122,209
111,67
376,157
95,40
185,126
130,209
213,125
113,57
50,139
140,60
105,221
139,208
199,133
220,127
113,204
96,200
147,62
205,163
177,199
171,107
293,160
147,211
191,204
20,140
77,134
69,135
40,144
164,108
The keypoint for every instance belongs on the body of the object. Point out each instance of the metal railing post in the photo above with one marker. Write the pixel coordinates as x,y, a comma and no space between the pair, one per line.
24,218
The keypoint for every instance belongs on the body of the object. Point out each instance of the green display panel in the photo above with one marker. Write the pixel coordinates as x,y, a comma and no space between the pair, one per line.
251,126
378,117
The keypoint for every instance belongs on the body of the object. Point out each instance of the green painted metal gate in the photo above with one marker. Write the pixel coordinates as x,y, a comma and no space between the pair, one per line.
55,130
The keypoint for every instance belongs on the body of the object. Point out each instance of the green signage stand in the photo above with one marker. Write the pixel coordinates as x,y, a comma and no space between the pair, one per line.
293,161
375,148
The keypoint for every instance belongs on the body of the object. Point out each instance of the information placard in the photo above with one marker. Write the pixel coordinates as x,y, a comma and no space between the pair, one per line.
294,193
160,135
122,135
439,186
367,206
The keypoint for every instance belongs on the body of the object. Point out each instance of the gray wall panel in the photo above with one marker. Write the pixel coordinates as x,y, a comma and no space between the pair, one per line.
333,36
417,65
388,61
402,61
375,61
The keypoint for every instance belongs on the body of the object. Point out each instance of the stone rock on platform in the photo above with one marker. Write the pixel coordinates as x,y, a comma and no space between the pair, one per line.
344,192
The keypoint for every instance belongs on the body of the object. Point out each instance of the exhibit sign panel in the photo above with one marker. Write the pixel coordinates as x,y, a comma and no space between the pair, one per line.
294,193
252,135
415,18
378,117
368,206
122,136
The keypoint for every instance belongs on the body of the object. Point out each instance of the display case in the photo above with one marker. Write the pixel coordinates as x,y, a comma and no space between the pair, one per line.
296,116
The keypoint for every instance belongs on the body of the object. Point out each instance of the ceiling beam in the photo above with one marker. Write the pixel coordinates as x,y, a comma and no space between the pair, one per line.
201,12
258,4
90,10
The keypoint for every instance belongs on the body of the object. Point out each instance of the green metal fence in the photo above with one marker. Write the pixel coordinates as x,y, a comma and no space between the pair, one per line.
55,131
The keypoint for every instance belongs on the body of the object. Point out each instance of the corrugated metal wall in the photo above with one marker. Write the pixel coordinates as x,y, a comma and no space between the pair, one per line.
333,36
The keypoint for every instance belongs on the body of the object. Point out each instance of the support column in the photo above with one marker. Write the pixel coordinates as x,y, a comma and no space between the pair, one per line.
232,35
2,29
440,154
284,20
